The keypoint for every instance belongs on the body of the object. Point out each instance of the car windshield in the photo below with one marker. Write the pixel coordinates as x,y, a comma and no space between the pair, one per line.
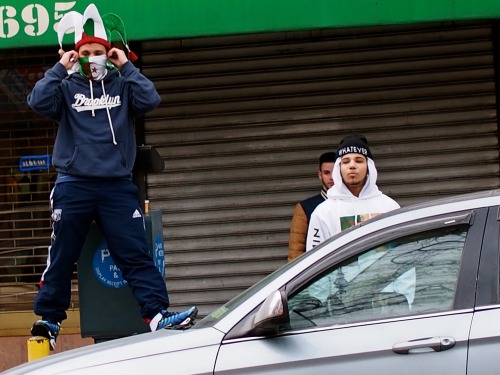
223,310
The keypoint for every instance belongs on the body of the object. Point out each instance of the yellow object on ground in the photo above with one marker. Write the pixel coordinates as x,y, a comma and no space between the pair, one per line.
38,347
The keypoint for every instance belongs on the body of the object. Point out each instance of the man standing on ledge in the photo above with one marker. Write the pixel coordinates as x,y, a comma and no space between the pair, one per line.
304,209
93,93
354,197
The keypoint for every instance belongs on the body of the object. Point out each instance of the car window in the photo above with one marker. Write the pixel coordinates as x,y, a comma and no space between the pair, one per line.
411,275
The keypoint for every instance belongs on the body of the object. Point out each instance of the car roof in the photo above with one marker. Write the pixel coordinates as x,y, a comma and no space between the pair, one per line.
453,199
436,202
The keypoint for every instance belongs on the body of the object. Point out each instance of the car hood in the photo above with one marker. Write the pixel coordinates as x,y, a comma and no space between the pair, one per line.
125,349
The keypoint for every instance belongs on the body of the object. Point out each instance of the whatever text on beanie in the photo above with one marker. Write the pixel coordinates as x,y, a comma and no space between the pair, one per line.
354,143
90,27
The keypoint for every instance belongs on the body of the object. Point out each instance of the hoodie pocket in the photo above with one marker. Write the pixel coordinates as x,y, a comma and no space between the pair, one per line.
99,160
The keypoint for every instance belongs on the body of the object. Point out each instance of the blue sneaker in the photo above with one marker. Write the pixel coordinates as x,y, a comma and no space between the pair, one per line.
174,320
47,329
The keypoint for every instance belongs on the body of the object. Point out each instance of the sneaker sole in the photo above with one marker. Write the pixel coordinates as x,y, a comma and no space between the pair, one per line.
186,323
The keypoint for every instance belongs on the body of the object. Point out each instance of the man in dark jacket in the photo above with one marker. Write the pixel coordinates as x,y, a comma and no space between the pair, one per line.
304,209
93,93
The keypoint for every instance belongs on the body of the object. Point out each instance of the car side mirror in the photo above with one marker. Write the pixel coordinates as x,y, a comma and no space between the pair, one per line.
272,314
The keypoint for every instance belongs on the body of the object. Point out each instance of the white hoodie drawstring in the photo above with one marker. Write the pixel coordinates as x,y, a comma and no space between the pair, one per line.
109,115
355,211
92,98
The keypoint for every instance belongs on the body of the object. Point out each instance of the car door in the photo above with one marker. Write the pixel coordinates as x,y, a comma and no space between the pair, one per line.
484,345
397,301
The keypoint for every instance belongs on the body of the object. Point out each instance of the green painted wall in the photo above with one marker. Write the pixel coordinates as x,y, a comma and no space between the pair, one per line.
31,22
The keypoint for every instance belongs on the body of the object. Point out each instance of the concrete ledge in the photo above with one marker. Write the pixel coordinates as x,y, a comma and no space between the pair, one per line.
18,323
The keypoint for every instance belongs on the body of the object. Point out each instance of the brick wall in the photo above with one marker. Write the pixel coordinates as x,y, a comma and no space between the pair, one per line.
14,350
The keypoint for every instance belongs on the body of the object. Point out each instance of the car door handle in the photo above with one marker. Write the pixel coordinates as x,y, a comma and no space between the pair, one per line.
438,344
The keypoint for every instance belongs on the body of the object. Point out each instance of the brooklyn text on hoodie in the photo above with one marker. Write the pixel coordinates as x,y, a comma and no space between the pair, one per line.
82,103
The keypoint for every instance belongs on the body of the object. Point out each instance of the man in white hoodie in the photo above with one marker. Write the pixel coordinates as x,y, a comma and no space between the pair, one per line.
354,196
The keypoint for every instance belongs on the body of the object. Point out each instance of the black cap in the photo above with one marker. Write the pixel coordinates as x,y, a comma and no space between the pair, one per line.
354,143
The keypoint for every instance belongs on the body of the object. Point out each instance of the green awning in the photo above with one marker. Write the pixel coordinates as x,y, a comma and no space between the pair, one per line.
24,24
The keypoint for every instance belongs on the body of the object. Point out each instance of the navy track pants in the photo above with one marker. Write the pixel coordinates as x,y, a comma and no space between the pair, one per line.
114,205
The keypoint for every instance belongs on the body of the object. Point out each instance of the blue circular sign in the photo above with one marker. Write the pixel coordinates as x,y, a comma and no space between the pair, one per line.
105,269
159,254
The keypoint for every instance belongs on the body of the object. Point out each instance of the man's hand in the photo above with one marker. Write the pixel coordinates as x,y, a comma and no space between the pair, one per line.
117,57
68,59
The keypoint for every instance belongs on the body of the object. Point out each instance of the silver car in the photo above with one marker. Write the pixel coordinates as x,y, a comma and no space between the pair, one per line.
414,291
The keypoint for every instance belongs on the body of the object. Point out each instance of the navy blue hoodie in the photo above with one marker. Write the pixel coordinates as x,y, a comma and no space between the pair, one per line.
95,137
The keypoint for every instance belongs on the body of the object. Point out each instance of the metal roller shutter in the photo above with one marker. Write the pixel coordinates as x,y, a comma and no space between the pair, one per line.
244,119
25,225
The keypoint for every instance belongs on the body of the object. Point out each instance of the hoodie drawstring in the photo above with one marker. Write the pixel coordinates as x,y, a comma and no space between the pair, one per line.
109,115
92,98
